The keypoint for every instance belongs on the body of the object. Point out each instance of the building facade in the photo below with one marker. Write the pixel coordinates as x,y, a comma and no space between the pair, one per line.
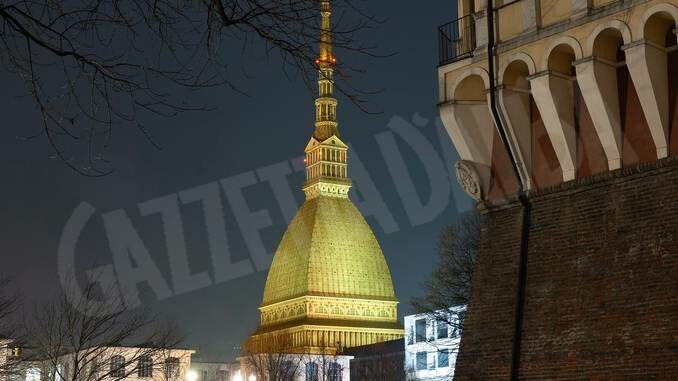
378,362
568,139
431,347
329,286
99,364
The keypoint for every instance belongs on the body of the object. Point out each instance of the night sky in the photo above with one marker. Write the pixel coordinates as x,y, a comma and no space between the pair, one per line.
239,141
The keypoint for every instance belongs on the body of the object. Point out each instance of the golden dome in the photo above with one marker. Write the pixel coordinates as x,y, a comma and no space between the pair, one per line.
328,250
329,286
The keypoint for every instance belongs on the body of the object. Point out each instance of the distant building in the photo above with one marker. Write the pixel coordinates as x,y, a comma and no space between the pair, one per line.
96,364
431,346
378,362
215,371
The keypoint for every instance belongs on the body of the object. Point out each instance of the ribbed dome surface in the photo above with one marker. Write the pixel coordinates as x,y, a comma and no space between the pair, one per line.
330,250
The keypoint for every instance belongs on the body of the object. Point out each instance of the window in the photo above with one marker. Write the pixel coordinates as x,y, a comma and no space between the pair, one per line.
334,372
171,368
117,366
311,371
422,360
444,358
223,375
442,330
287,371
420,330
145,368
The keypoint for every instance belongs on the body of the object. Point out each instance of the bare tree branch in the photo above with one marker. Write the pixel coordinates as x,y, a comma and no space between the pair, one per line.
91,335
448,286
10,335
93,66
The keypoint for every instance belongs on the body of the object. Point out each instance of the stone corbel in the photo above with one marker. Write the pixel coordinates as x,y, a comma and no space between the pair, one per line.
470,127
647,64
553,94
597,79
515,106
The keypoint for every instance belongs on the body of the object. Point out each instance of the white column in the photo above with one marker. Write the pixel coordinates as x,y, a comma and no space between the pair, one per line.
647,64
553,95
597,80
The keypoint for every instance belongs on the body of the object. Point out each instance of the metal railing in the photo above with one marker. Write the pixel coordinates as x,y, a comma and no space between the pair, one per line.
456,39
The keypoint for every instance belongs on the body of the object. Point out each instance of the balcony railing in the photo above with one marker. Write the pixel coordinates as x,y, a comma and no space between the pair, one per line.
456,39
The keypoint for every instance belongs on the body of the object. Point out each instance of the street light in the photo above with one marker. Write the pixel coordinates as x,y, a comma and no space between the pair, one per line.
237,377
191,375
252,378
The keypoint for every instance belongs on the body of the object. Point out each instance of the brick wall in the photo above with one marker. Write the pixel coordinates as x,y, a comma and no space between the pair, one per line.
601,298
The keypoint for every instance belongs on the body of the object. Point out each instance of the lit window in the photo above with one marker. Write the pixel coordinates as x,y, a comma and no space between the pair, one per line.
172,368
145,367
117,366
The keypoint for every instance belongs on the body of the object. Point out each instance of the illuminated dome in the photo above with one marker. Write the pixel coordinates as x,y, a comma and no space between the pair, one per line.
329,286
329,250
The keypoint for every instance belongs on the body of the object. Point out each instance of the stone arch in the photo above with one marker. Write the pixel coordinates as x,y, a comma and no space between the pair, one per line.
561,59
656,64
520,56
538,162
667,8
618,25
515,74
572,42
654,13
475,71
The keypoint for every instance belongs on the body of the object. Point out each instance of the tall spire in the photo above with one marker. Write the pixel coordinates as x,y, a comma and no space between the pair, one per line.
325,59
325,105
326,155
